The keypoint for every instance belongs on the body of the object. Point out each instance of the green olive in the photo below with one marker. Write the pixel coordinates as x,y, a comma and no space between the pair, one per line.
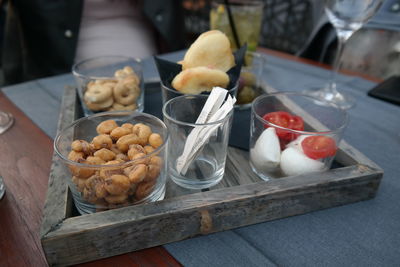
246,95
249,79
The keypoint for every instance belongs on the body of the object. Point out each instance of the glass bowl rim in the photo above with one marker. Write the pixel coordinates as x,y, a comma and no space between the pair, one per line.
126,163
292,93
76,73
166,115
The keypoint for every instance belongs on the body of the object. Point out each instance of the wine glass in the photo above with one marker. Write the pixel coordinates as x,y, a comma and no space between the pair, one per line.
346,16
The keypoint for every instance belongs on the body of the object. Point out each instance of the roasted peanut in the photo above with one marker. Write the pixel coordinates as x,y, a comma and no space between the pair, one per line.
81,172
81,146
100,190
128,126
92,181
127,170
148,149
76,156
102,141
116,199
93,160
152,173
140,158
155,140
144,189
115,149
138,173
122,157
106,127
106,172
143,132
126,140
135,149
105,154
118,132
156,160
117,184
89,195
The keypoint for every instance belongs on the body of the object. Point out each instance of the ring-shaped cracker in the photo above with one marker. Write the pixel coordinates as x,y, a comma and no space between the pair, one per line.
100,106
97,93
126,93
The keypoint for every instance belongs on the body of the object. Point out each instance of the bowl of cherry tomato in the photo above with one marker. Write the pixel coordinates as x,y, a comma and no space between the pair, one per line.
283,144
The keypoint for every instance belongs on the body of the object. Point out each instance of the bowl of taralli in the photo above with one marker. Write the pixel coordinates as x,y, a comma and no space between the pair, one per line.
109,83
209,62
113,159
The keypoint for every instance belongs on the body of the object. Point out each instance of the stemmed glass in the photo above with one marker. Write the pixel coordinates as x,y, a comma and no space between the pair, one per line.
346,16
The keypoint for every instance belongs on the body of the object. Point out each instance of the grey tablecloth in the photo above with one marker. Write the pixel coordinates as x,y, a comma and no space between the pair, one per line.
361,234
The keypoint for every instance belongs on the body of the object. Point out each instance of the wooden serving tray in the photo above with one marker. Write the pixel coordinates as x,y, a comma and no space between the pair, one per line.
240,199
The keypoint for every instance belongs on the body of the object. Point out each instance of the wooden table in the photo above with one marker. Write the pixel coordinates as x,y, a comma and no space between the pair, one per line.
25,158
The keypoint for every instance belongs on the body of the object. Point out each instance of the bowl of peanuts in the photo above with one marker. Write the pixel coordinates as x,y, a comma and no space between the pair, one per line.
113,159
109,83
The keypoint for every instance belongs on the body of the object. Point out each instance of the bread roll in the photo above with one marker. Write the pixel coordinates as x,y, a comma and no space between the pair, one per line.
199,79
211,49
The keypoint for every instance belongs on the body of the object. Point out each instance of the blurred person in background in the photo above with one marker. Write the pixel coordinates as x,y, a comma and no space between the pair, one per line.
45,38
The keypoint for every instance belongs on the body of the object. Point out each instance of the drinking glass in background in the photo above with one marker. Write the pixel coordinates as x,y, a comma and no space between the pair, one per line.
240,21
346,16
120,73
251,80
283,144
206,167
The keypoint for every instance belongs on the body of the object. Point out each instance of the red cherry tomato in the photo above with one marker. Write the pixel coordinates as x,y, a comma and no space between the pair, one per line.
319,146
285,119
297,123
280,118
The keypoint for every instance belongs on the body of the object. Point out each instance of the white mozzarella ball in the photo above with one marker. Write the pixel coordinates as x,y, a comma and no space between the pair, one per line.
297,142
294,162
265,156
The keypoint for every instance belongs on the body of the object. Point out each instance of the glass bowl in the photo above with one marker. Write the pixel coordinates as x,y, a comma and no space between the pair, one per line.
110,83
283,144
116,166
